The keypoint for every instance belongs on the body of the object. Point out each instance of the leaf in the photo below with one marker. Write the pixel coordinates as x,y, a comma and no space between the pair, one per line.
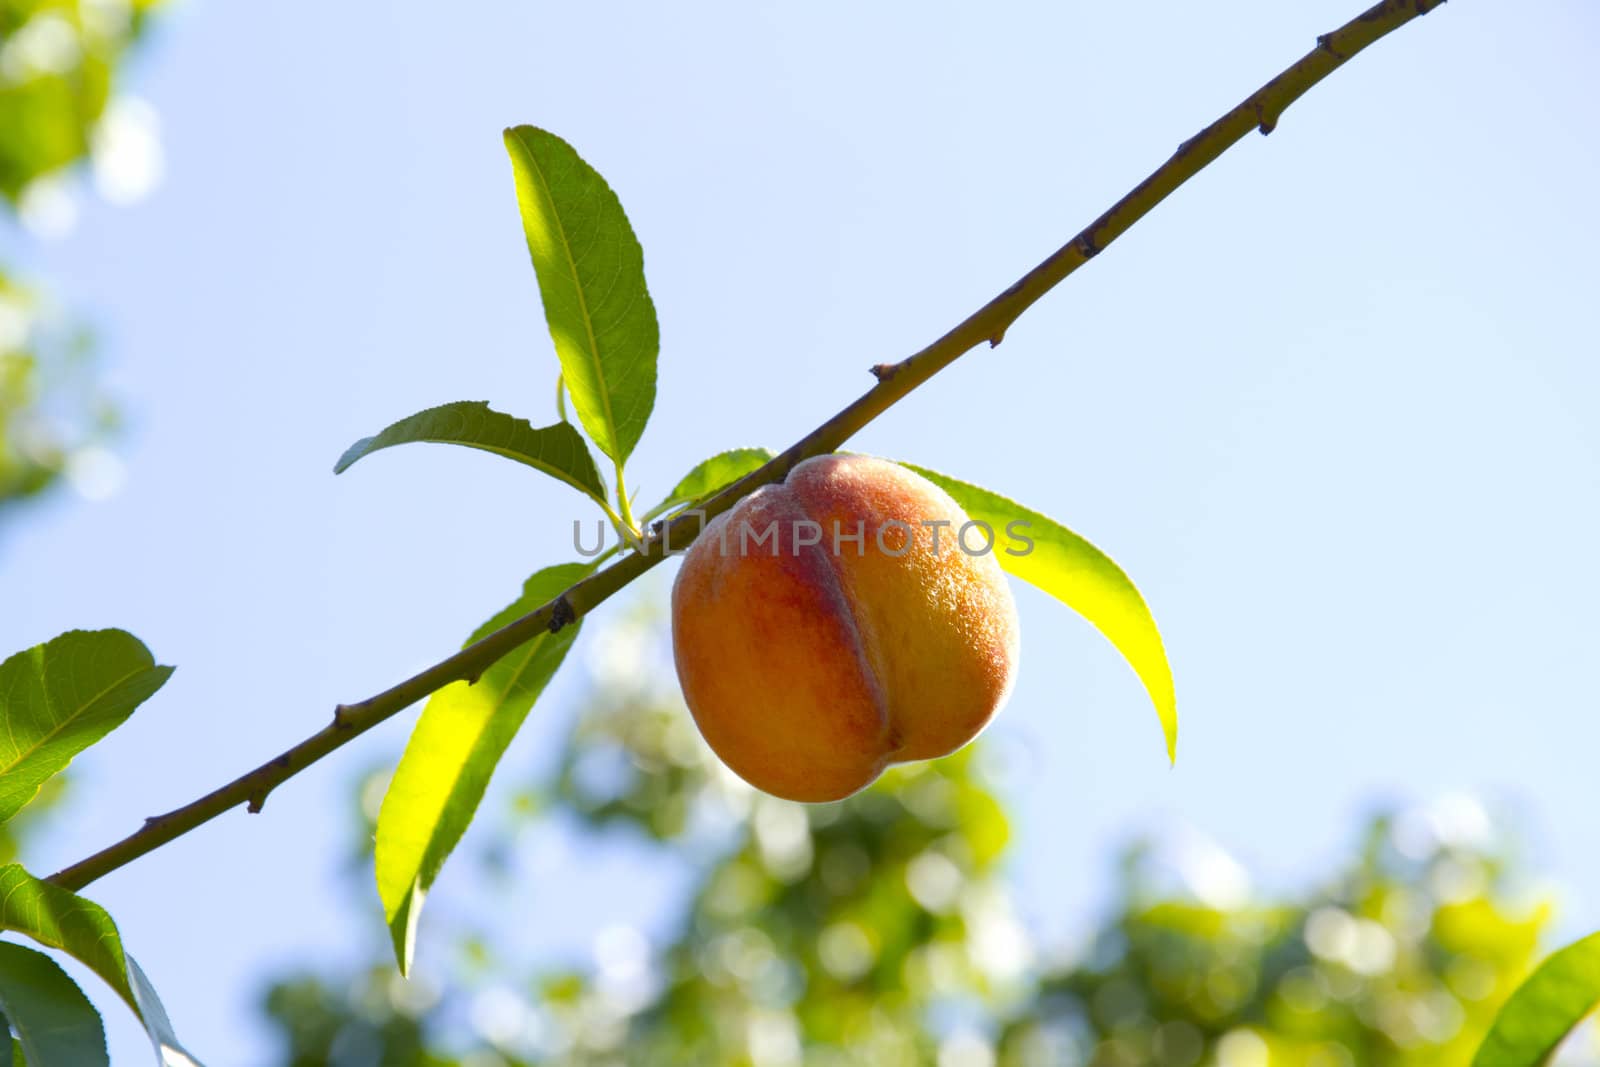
169,1051
83,930
591,278
716,473
53,1021
1082,577
61,920
1544,1009
58,698
556,450
463,732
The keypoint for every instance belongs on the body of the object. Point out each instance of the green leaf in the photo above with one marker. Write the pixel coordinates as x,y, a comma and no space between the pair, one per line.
83,930
556,450
721,470
1559,995
1082,577
58,698
8,1042
61,920
591,277
463,732
53,1021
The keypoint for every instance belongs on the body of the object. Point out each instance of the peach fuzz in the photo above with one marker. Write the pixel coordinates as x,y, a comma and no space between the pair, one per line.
807,670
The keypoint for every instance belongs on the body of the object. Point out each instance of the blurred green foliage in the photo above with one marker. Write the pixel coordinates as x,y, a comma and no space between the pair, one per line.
879,931
51,407
13,832
58,66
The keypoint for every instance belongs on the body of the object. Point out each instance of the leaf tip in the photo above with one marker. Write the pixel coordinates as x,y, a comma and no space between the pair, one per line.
351,454
519,134
403,927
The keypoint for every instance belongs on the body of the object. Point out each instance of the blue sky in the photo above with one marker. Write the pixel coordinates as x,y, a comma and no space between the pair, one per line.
1332,406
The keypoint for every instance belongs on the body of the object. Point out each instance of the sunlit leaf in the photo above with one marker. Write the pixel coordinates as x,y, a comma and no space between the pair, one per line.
81,928
591,277
720,470
452,753
556,450
61,920
1559,995
1080,576
58,698
54,1023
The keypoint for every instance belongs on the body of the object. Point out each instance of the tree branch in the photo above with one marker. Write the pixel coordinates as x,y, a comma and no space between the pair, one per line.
1260,111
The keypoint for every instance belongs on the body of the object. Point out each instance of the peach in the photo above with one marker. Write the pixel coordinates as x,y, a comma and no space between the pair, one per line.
831,624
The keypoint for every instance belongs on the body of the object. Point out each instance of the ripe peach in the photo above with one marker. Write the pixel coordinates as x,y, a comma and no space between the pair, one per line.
812,657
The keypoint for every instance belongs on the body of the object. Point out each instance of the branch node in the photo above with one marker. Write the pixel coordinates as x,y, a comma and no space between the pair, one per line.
651,539
1325,42
1086,245
341,716
884,371
562,614
998,336
253,806
1265,121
